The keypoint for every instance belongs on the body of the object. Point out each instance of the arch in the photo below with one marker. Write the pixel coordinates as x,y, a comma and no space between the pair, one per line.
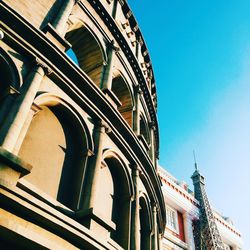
87,49
56,145
123,92
145,222
115,179
9,74
144,130
48,99
10,82
123,168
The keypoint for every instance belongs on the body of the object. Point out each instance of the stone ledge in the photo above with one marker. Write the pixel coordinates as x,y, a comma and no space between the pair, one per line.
14,162
62,42
112,96
92,214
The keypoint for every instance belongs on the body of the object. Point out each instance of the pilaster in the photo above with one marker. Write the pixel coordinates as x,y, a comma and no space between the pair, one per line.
106,80
152,141
61,19
135,213
20,110
155,229
136,114
90,188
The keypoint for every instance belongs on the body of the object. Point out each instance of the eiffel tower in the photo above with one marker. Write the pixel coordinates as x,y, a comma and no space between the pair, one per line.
206,233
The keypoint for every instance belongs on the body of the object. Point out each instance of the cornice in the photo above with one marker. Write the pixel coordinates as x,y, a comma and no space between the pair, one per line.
180,191
225,224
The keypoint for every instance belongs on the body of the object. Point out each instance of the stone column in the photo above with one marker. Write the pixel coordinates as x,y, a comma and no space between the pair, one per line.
161,236
152,142
63,15
188,231
155,229
136,113
135,213
20,110
92,174
106,80
114,9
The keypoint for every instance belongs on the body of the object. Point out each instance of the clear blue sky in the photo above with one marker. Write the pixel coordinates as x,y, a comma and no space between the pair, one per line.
201,57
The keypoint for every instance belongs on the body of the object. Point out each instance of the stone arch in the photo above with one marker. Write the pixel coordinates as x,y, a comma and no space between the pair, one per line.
56,144
88,49
9,74
116,175
123,92
10,81
144,130
145,222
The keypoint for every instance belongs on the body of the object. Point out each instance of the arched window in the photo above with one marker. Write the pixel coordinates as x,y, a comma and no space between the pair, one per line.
121,90
87,51
144,133
54,145
9,75
114,194
6,77
10,82
145,225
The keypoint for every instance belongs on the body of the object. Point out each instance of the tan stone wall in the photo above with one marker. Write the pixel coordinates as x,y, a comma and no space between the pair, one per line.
83,149
39,13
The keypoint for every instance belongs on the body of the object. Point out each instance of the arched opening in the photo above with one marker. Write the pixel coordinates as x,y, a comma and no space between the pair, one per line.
70,53
54,146
121,90
10,82
114,194
87,51
144,133
6,78
145,225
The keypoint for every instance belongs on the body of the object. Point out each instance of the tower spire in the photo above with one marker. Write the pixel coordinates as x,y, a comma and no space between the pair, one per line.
195,163
206,233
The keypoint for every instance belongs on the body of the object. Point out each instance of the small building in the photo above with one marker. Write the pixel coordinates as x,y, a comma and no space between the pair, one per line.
182,209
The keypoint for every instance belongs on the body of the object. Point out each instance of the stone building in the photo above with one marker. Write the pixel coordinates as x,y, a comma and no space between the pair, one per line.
182,209
79,137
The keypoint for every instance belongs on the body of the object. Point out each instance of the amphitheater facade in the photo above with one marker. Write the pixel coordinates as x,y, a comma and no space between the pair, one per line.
78,128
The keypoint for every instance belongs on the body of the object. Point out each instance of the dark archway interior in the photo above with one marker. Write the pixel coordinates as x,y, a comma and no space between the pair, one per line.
87,51
121,90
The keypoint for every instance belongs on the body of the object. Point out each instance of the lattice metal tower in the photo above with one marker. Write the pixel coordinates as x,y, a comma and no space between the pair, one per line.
206,233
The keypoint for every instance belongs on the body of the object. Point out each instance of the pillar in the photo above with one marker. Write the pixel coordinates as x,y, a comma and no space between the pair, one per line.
20,110
135,213
92,173
188,231
114,9
155,229
106,79
136,113
152,142
63,15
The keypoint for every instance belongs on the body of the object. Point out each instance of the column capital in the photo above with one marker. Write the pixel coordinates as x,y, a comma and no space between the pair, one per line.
112,45
39,63
152,125
135,167
103,126
137,89
155,207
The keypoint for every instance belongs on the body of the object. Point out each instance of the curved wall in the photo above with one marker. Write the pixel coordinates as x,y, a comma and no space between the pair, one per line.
84,120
